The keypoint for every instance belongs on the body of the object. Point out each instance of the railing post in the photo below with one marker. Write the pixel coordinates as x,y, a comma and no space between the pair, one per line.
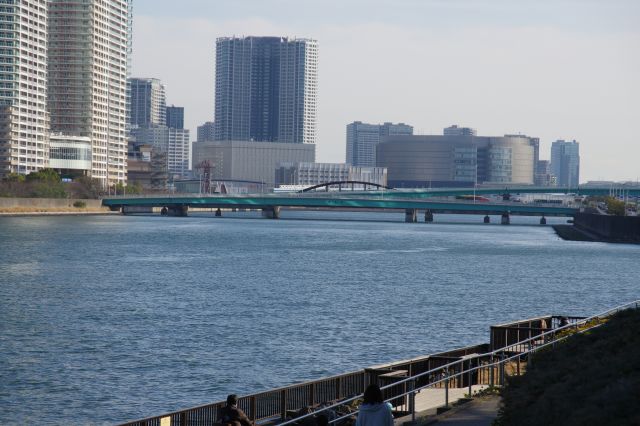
412,400
283,404
446,389
491,370
312,394
183,419
254,408
469,378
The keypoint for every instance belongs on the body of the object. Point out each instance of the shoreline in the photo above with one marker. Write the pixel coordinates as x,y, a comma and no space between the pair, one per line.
56,213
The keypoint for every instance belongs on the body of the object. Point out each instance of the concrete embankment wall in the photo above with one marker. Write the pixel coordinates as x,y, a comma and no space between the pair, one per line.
610,228
48,204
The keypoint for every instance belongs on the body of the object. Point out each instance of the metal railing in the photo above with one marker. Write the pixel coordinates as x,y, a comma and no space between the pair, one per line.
459,368
490,367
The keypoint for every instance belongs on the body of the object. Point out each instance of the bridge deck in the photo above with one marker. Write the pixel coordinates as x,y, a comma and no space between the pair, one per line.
338,200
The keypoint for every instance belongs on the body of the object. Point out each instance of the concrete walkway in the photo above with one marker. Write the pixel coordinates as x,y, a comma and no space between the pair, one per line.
428,399
479,412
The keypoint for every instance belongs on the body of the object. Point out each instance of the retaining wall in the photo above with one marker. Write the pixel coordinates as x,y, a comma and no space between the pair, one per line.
47,203
615,228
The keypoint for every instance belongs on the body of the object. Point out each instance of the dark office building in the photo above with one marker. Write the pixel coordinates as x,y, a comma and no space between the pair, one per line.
266,89
175,117
206,132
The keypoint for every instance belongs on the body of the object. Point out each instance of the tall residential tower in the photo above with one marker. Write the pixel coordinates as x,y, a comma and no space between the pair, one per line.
88,55
148,102
24,122
565,163
266,89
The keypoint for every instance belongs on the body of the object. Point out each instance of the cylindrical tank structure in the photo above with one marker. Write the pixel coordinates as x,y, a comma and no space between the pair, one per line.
415,161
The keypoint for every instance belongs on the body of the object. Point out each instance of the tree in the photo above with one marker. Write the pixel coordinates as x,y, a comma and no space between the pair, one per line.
134,188
14,177
85,187
615,207
44,175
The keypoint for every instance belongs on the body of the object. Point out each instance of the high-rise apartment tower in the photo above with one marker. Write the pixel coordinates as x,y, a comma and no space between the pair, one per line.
266,89
175,117
206,132
24,122
565,163
148,102
89,46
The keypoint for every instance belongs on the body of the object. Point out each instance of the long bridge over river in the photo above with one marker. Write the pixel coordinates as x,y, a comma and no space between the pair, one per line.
429,201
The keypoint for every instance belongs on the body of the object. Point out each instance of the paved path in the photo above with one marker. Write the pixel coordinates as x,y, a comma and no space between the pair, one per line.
429,398
479,412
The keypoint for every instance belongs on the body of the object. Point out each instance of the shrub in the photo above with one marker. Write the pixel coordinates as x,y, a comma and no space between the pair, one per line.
80,204
590,378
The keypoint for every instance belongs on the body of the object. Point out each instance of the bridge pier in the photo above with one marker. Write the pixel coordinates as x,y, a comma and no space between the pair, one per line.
505,220
543,220
218,212
179,211
487,219
411,215
428,216
271,212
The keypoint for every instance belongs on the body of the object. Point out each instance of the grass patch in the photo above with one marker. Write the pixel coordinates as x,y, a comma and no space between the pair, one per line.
590,379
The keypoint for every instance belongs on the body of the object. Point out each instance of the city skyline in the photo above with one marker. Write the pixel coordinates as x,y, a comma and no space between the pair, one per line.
557,70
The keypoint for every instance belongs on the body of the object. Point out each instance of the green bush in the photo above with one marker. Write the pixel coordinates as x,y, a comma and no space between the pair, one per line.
44,175
589,379
615,207
80,204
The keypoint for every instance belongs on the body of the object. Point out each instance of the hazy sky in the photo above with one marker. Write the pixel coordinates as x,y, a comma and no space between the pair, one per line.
548,68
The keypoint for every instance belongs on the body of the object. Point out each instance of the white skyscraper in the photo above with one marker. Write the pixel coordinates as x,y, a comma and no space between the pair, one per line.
24,122
298,91
88,54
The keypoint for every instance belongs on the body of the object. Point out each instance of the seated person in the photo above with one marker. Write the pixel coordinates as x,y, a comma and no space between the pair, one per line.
232,415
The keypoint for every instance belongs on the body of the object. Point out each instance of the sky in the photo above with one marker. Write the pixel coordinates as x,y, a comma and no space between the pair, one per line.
553,69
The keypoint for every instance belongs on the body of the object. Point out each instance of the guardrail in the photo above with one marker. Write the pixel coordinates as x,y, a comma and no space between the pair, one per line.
495,369
177,199
484,364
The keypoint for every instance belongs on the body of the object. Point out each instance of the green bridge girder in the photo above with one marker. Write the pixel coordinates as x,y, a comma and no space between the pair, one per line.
338,200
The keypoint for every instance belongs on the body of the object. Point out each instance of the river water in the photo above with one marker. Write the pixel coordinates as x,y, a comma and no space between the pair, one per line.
105,319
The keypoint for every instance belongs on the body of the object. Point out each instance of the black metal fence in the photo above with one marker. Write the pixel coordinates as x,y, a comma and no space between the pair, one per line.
282,403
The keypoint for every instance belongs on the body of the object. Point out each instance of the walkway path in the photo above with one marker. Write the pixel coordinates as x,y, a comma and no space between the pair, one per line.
428,399
479,412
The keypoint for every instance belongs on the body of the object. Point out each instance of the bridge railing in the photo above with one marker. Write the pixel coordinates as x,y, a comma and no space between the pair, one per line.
176,198
485,364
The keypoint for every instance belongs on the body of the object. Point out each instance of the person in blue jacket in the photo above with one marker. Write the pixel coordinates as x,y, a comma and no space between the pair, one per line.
374,411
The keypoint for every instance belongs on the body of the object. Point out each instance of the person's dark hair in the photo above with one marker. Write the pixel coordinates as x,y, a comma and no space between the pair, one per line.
232,399
373,395
322,420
